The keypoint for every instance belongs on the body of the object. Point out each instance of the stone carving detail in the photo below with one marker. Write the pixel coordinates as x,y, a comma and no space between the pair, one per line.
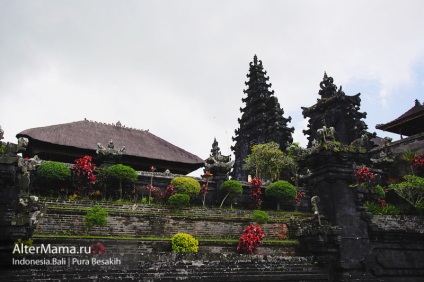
19,212
110,150
323,134
217,163
314,203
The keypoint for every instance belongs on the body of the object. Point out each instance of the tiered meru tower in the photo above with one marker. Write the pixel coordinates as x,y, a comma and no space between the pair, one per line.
262,119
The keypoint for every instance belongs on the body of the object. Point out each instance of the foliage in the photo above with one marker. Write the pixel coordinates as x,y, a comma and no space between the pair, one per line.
122,174
205,187
186,185
267,161
412,189
299,197
255,193
380,192
179,200
184,243
232,187
381,208
95,216
418,163
281,190
53,172
364,174
250,239
83,175
260,217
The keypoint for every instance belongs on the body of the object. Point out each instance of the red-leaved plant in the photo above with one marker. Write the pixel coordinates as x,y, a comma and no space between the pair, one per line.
83,172
205,187
250,239
364,174
255,194
418,162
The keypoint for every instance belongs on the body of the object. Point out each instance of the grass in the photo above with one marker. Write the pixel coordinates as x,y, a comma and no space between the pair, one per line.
152,238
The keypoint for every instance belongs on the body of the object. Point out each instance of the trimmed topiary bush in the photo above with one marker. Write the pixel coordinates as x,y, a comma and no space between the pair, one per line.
281,190
260,217
54,172
55,175
179,200
184,243
232,188
186,185
122,174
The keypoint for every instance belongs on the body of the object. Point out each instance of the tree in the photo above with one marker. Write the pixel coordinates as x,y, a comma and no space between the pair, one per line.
121,173
281,190
186,185
267,161
232,187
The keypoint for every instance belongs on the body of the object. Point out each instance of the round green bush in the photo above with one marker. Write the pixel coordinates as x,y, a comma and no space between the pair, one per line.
186,185
179,200
260,217
184,243
232,186
53,172
122,173
281,190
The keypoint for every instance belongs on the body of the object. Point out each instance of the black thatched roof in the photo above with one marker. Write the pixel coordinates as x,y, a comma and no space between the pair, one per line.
409,123
86,134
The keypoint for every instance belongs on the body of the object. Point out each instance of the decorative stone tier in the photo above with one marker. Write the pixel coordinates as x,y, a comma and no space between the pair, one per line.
144,220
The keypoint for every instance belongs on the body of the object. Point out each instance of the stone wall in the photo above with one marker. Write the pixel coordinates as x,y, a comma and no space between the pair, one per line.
144,220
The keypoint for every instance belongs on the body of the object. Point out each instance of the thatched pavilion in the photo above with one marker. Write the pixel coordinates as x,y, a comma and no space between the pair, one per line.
66,142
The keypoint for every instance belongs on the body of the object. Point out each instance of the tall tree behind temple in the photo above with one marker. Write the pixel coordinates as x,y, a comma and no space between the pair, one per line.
262,119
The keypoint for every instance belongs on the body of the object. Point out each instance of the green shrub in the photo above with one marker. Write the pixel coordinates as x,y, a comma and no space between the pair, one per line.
53,172
186,185
281,190
260,217
95,216
232,188
378,209
179,200
380,192
122,174
183,243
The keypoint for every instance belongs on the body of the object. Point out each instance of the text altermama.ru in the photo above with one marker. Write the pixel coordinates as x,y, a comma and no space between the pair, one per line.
50,249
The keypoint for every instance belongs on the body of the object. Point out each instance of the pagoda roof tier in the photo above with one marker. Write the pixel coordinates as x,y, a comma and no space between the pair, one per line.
409,123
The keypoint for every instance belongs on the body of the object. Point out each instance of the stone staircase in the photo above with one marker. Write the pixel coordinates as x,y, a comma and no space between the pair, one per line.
186,268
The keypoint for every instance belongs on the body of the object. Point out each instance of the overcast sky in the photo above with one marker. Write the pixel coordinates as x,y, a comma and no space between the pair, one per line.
178,68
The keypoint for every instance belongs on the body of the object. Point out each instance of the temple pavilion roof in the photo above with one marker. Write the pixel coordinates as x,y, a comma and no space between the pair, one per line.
409,123
142,148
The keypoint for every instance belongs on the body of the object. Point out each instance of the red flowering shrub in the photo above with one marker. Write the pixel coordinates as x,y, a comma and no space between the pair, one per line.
169,192
255,194
364,174
299,197
418,162
250,239
83,173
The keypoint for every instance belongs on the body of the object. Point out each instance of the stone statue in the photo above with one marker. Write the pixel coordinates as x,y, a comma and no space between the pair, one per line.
323,134
314,202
